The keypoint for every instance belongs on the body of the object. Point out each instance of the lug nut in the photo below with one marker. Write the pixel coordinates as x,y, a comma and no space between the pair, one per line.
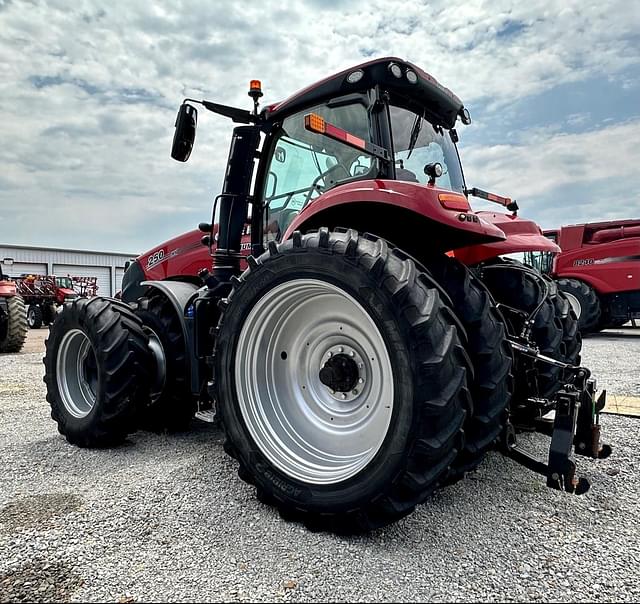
352,354
360,381
344,395
340,349
354,392
329,354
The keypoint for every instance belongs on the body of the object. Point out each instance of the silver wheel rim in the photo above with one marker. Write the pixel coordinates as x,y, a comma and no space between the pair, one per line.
77,382
31,317
575,304
305,429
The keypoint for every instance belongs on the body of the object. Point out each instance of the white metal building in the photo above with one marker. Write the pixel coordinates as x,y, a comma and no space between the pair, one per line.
107,267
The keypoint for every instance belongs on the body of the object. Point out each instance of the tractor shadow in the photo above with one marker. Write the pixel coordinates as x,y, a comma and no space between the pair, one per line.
628,333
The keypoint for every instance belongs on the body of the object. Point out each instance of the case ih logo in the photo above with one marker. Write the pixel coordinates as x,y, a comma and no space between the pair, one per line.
583,262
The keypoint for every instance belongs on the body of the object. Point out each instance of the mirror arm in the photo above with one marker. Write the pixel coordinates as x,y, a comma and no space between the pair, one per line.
240,116
507,202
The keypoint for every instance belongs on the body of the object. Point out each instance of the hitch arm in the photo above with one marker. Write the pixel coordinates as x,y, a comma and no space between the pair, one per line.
575,426
560,471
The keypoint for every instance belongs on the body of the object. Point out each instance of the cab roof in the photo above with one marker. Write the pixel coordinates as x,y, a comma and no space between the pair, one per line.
424,94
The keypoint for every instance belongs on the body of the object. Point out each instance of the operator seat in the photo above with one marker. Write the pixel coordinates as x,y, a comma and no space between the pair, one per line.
408,175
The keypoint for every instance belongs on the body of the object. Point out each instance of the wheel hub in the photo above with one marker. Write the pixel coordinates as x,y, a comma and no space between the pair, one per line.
160,364
575,303
340,373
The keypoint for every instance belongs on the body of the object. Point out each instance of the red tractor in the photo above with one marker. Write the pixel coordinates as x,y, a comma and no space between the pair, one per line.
13,320
43,295
598,269
355,366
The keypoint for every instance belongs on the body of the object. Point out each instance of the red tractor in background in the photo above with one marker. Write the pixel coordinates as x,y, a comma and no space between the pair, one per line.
354,364
598,269
43,295
13,320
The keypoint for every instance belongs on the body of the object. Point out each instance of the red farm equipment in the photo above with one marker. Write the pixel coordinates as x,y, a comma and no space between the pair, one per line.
43,295
598,269
354,364
13,319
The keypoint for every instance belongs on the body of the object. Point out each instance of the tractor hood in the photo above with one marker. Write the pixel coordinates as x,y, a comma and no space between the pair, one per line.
522,236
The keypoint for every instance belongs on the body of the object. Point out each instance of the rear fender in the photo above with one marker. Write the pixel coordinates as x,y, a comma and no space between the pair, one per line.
410,215
522,235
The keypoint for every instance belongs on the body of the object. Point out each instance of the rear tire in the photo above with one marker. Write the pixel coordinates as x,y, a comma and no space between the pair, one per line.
571,337
171,408
490,354
523,290
413,336
34,316
585,303
16,330
97,367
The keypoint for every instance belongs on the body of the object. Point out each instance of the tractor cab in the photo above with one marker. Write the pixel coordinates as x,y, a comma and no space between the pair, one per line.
385,120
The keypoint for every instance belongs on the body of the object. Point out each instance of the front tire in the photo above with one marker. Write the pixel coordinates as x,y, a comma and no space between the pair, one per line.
571,337
173,405
97,367
34,316
522,288
347,463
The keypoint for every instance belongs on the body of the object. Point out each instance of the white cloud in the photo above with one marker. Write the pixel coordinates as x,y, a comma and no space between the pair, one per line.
547,161
563,178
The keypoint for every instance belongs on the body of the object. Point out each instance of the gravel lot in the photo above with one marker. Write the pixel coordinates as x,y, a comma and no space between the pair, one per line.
166,518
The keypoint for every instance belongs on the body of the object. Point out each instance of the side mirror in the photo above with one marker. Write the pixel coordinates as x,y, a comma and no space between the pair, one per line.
185,132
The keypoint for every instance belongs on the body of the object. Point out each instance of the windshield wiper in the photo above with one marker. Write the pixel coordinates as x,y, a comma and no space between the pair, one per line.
415,132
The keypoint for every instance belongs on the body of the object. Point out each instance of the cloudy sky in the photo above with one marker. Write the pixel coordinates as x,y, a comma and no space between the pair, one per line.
89,90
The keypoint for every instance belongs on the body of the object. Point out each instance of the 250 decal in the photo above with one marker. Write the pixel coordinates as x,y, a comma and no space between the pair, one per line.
155,258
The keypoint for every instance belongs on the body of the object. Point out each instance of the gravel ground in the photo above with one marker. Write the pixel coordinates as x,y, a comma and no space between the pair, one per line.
166,518
603,353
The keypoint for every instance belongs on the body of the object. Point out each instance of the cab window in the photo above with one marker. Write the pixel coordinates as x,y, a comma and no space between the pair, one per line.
416,143
303,165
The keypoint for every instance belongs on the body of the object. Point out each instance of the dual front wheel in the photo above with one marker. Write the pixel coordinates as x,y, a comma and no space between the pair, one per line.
111,369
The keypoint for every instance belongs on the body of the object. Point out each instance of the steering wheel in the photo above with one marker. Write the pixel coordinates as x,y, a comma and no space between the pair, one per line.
316,187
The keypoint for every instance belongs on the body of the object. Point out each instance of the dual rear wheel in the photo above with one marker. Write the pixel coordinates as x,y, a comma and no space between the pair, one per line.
348,387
